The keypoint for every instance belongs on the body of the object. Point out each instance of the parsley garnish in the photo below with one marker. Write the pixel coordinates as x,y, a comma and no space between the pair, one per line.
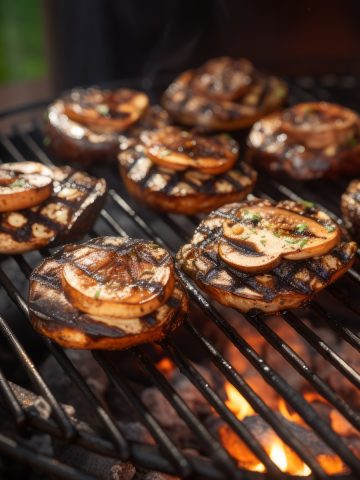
97,293
19,183
303,242
330,228
165,153
102,109
352,142
263,242
253,217
301,227
308,204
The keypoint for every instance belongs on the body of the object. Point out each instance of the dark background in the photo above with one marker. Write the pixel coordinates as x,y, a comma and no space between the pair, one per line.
93,41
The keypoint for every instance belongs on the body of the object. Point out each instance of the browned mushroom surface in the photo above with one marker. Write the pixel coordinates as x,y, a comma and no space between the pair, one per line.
308,140
66,215
260,255
350,207
23,185
143,286
223,94
185,191
84,125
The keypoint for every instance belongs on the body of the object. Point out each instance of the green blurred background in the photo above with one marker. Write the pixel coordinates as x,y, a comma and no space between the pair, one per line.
22,45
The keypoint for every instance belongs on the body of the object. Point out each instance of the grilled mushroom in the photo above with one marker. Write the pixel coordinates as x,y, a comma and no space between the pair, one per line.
261,255
65,215
308,140
179,149
23,185
84,125
350,207
223,94
128,286
186,191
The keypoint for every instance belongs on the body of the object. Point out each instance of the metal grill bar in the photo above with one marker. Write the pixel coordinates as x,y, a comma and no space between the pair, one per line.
169,458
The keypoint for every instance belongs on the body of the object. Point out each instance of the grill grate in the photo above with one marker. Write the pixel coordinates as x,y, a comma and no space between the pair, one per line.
120,218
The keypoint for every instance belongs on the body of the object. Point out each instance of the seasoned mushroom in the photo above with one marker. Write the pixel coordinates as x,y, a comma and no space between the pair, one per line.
223,94
23,185
184,191
308,140
261,255
66,215
129,284
179,149
84,125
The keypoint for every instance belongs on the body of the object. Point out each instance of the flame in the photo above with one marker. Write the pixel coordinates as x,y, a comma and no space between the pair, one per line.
237,403
278,455
276,450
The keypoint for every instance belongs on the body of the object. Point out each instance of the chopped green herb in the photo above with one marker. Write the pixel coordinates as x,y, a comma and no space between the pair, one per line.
277,234
330,228
226,136
46,141
308,204
263,242
280,92
301,227
352,141
253,217
291,240
303,242
19,183
165,153
102,109
97,293
245,237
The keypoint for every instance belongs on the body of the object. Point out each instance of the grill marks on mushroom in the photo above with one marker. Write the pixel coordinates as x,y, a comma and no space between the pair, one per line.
66,214
118,293
106,111
179,149
23,185
184,191
245,274
308,140
223,94
84,125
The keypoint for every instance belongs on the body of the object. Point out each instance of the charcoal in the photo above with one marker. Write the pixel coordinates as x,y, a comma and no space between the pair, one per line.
136,432
122,471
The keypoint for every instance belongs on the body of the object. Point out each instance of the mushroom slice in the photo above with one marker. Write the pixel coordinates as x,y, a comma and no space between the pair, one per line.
126,282
320,124
178,149
105,110
24,185
262,236
224,78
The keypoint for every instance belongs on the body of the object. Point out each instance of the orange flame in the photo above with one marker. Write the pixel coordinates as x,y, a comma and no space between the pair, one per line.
237,403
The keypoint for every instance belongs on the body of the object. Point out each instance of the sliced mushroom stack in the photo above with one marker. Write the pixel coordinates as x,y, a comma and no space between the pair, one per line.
223,94
178,171
308,140
42,206
84,125
108,293
266,256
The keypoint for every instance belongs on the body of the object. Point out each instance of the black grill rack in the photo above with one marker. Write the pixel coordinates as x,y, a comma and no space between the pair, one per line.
122,216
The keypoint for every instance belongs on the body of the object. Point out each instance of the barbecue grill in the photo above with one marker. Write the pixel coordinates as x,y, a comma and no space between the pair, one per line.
123,216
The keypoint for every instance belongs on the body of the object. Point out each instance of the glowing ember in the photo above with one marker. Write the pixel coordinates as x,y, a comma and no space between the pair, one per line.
165,365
